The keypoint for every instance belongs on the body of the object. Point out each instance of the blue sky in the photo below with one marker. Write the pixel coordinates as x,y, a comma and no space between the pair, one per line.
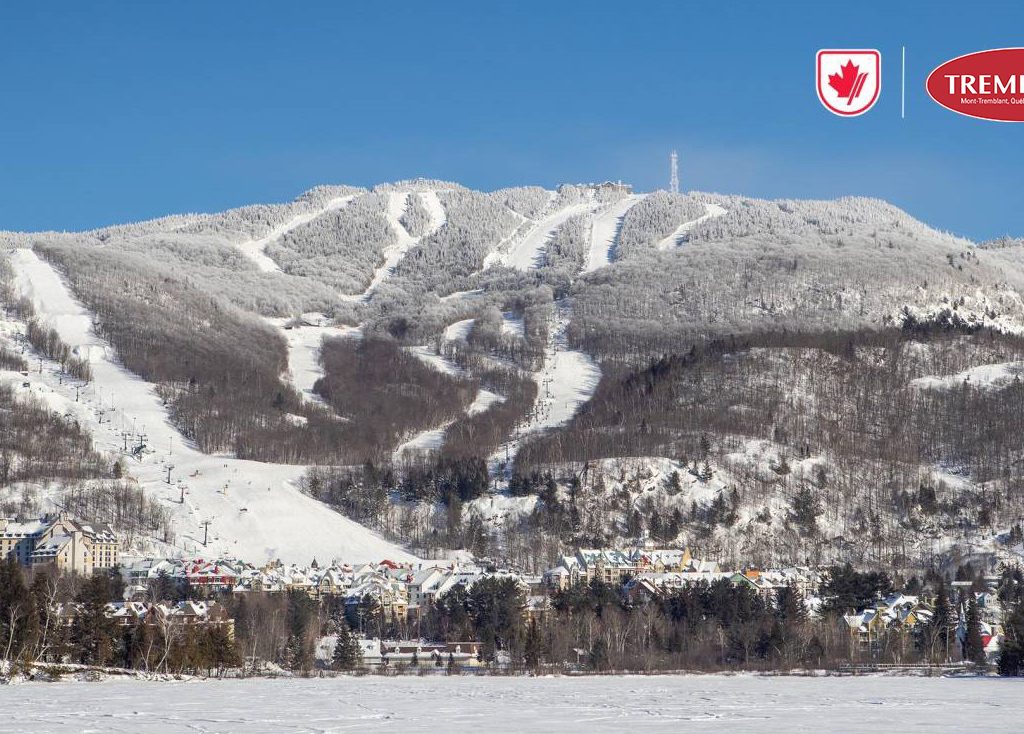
116,111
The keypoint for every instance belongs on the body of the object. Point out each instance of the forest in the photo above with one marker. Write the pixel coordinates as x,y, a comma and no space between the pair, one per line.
593,627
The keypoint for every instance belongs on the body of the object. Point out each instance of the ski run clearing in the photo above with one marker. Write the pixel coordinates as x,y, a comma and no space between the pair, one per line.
255,250
254,510
304,337
398,201
567,380
591,704
986,376
604,232
675,239
526,253
433,438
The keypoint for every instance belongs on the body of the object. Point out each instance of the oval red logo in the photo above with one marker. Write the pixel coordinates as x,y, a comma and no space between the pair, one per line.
988,85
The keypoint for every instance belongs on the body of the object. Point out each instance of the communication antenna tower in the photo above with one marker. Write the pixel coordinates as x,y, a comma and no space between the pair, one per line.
673,182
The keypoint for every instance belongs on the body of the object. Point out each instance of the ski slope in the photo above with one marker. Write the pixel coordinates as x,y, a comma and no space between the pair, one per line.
675,239
459,331
397,203
255,510
255,249
304,340
604,232
527,252
567,380
430,703
433,438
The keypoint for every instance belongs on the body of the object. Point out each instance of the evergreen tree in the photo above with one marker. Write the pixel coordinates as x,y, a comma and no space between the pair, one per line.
941,629
974,647
1011,650
532,646
599,655
93,633
675,485
347,653
19,620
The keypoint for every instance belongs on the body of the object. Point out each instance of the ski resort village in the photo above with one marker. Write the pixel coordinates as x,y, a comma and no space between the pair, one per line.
86,605
571,430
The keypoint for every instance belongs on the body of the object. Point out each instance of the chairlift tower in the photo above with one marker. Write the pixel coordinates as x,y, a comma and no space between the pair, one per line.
673,182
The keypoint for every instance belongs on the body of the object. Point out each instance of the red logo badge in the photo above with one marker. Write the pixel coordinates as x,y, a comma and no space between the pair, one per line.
986,84
849,81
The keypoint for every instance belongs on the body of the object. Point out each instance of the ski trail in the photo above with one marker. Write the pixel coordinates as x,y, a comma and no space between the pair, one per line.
304,339
673,240
432,439
459,331
567,380
604,232
255,510
397,203
255,250
526,253
429,356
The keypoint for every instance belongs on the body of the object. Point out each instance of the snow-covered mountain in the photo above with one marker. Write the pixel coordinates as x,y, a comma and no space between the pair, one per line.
492,352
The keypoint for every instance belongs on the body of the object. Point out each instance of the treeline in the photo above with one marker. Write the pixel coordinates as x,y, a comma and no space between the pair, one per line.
386,393
43,339
800,266
38,444
419,504
62,619
121,504
843,402
48,342
715,626
218,368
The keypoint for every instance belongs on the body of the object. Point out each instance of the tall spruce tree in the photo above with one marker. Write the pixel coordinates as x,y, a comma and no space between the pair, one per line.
347,653
974,647
1011,650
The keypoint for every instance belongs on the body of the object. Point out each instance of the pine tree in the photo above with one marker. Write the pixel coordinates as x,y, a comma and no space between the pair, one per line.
974,647
599,655
93,632
941,628
1011,650
347,653
532,646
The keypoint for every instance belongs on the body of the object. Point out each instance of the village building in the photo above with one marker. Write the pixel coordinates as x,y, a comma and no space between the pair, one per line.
69,545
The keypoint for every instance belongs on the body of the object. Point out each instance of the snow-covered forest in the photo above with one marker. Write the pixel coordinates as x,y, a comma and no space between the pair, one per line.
526,369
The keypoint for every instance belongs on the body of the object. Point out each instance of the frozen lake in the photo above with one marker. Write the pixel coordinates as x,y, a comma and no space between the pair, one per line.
440,704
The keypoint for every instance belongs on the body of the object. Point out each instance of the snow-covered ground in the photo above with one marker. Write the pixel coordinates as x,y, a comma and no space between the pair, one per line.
513,325
304,340
255,250
604,232
397,203
459,331
567,380
525,253
255,510
711,211
987,376
437,703
429,356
